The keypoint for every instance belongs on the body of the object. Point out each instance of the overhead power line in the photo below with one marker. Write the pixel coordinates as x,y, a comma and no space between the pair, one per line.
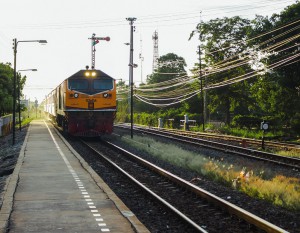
156,19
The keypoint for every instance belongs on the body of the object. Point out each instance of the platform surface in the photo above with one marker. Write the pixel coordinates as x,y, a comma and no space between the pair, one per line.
55,193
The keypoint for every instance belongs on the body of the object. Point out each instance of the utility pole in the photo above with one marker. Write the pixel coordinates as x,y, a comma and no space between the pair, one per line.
201,88
94,41
131,65
14,89
200,77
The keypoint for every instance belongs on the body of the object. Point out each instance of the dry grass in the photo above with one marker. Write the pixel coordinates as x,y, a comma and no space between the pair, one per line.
259,182
290,153
281,190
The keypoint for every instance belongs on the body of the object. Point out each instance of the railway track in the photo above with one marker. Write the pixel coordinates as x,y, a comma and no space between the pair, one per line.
290,162
246,142
255,143
199,209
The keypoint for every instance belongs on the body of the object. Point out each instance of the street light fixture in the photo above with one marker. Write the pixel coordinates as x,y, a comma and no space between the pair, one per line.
19,94
14,81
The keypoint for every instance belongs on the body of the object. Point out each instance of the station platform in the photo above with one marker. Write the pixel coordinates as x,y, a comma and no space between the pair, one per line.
52,189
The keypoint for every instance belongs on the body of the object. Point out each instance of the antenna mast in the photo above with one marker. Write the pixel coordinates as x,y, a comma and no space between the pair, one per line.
142,59
155,51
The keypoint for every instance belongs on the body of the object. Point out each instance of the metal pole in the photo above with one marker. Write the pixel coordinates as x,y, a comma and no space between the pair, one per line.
201,88
14,90
131,74
14,81
263,140
131,78
93,51
142,59
28,106
19,101
200,77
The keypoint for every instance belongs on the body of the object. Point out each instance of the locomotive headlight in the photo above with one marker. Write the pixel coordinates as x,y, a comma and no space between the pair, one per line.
90,74
76,95
105,95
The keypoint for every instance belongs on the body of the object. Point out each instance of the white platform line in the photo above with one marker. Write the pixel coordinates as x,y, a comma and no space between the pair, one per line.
80,184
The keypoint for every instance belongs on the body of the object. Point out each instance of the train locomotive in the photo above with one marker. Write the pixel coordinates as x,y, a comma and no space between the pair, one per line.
84,104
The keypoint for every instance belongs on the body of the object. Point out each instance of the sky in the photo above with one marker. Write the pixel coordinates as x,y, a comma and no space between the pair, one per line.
67,25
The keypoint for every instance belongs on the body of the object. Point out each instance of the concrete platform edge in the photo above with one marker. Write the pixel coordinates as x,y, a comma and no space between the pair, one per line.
134,221
10,189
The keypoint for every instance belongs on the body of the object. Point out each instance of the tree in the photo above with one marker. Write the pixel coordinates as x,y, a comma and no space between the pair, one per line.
170,66
223,39
277,93
6,88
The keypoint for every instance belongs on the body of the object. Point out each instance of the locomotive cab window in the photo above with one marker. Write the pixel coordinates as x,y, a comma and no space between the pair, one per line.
78,84
103,84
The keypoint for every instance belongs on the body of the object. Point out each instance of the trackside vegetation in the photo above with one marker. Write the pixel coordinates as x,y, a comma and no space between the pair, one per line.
6,88
258,182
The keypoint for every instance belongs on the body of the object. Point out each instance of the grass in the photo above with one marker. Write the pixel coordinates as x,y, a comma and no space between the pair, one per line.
257,182
290,153
246,133
26,121
281,190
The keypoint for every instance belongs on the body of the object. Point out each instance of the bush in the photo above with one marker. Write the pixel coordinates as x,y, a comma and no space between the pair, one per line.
295,124
246,121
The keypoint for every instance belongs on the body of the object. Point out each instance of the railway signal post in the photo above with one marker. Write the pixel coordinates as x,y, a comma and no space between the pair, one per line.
264,126
95,40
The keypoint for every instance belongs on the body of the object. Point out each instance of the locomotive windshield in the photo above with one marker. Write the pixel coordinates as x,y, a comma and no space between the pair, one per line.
103,84
78,84
90,86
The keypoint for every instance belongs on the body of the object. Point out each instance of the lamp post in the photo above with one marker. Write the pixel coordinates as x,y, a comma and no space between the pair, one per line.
19,94
15,44
131,66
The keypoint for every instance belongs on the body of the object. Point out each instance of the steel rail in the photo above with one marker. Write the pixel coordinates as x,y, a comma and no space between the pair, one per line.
291,162
227,206
168,205
277,145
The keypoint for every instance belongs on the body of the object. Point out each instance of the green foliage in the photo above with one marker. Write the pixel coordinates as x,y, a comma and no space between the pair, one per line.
226,37
295,123
6,88
26,121
272,96
149,119
170,67
277,93
246,121
122,110
246,133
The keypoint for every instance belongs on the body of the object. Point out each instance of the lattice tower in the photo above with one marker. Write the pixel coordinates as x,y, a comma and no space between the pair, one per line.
155,51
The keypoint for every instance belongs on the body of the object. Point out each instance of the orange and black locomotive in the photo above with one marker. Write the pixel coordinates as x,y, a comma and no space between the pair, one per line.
84,104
